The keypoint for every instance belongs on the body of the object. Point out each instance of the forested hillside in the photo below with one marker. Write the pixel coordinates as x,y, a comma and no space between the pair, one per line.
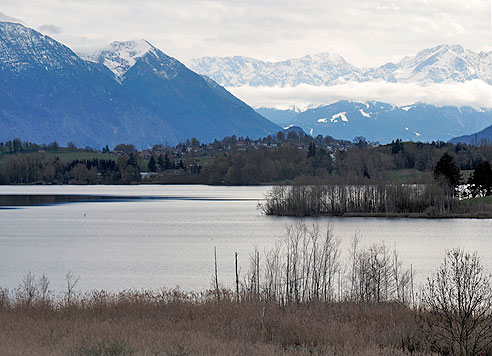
235,161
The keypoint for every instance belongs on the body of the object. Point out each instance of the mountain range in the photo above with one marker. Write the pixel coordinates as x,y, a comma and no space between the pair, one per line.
133,92
440,64
128,92
383,122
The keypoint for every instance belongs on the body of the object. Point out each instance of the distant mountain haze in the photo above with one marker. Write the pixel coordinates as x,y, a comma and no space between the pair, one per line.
383,122
440,64
128,92
477,138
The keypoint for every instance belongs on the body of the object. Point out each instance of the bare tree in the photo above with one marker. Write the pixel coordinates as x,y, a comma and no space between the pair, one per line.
27,291
237,277
216,277
273,274
252,278
43,288
4,298
457,305
306,267
353,253
71,282
377,276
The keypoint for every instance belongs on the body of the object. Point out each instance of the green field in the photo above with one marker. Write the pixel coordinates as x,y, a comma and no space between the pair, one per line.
203,161
67,157
415,176
406,176
480,201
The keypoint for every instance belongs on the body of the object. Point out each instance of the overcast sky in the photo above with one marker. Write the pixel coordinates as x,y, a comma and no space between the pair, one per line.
365,32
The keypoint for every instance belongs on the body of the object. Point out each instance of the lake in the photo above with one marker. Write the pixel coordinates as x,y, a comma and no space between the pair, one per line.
164,236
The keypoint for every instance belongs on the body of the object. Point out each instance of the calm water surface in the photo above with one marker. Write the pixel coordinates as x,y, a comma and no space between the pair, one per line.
154,243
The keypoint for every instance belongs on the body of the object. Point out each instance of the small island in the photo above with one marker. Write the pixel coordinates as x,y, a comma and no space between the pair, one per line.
443,197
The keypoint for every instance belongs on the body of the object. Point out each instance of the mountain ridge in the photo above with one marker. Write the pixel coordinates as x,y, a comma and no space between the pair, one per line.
48,93
383,122
439,64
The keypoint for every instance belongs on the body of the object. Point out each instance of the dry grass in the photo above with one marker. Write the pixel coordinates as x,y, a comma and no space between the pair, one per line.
178,324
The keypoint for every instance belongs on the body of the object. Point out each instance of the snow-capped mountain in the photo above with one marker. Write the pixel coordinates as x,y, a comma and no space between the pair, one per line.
384,122
437,65
321,69
23,49
441,64
129,92
120,56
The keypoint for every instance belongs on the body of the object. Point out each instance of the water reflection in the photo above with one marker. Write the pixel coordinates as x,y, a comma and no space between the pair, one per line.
168,238
21,200
32,200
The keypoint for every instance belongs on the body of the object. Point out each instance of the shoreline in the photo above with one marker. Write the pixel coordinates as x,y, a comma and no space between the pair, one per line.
390,216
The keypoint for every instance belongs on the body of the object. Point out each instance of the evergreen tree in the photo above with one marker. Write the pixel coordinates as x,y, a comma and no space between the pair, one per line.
167,162
311,150
447,170
160,162
132,160
396,146
481,180
152,164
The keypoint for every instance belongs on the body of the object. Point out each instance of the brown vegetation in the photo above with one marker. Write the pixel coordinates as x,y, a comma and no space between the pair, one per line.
296,299
385,200
175,323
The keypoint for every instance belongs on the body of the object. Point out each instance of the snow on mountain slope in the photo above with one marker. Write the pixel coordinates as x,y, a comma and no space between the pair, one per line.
48,93
441,64
444,64
384,122
363,113
320,69
22,48
119,57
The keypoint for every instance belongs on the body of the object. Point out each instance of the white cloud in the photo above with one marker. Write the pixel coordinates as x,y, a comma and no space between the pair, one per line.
474,93
7,18
50,29
366,32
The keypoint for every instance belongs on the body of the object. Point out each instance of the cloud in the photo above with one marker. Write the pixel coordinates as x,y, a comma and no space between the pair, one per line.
474,93
366,32
4,17
50,29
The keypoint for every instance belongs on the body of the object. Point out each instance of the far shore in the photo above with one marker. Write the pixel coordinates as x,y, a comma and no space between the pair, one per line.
399,216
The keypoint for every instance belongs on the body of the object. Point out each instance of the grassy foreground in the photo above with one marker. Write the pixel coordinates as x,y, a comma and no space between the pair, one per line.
172,323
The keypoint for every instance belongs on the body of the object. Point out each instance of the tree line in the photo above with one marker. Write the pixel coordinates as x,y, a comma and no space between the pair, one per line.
34,168
306,160
360,163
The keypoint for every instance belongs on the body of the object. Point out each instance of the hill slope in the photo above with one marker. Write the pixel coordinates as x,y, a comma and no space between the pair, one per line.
384,122
129,92
484,136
